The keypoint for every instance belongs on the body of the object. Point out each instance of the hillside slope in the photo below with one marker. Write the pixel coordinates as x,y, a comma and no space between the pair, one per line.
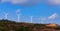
7,25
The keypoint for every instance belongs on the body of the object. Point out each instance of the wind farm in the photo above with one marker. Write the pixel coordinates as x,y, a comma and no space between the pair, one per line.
41,20
29,15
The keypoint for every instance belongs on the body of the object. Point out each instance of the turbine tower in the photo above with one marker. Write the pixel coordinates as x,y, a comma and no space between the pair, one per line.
31,18
41,20
18,15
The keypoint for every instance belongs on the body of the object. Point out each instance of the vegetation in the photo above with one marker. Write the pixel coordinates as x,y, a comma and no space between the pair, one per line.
57,28
7,25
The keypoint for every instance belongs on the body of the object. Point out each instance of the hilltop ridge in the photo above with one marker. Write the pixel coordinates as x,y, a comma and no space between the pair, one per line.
7,25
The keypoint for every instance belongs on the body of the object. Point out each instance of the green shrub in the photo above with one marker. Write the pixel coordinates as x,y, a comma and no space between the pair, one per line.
57,28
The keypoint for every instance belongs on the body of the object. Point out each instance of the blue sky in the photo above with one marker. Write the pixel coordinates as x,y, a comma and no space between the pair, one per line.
38,10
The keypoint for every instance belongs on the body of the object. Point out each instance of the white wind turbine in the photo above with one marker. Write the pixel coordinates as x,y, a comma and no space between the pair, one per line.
6,15
31,18
18,14
40,20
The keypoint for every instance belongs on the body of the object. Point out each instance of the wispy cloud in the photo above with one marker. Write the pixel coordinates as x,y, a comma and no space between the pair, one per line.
18,11
54,2
32,2
43,18
21,2
3,1
52,17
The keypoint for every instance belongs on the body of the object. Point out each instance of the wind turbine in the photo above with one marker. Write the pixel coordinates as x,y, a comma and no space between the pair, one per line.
18,14
42,19
31,17
6,15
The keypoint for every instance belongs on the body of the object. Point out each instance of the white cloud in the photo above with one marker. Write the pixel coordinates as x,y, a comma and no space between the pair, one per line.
32,2
54,2
43,18
52,17
3,1
21,2
18,11
15,1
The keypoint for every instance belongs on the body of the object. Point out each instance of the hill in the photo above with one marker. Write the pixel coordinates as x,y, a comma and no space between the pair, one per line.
7,25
